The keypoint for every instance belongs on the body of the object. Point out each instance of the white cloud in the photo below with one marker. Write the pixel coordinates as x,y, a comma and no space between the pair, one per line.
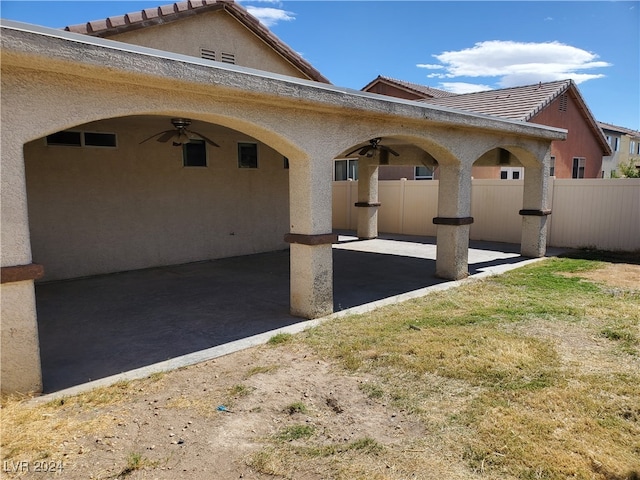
429,66
462,87
517,63
270,16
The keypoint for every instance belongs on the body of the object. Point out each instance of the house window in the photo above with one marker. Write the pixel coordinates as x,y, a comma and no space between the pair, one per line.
247,155
194,154
632,147
346,170
511,173
67,139
286,163
552,166
578,167
423,173
616,145
82,139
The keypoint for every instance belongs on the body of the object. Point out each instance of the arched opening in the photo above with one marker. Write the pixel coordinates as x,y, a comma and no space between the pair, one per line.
399,257
497,195
153,249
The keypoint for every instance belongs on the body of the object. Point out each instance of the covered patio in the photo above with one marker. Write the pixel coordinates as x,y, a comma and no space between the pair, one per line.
52,82
101,326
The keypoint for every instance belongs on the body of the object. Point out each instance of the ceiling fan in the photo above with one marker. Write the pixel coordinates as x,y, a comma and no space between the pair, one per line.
180,134
369,151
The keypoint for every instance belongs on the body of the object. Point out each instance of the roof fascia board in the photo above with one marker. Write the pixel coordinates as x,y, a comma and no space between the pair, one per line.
51,44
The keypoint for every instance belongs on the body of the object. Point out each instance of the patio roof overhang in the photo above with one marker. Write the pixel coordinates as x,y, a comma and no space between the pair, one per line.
52,50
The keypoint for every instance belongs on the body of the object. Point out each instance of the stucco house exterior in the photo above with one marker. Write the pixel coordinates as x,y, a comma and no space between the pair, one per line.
625,147
95,180
557,104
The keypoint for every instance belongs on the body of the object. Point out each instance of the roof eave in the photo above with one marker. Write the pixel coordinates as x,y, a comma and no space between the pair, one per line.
36,47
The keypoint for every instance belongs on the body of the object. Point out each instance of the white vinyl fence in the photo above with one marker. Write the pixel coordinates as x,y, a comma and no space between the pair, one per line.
594,213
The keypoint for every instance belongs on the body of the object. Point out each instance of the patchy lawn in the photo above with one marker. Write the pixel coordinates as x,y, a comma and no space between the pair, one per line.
534,374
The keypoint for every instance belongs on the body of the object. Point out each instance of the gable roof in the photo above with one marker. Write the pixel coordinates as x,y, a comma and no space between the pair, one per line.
516,103
421,90
522,103
179,10
623,130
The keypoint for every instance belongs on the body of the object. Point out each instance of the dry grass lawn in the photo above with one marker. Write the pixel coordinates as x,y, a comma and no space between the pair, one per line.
534,374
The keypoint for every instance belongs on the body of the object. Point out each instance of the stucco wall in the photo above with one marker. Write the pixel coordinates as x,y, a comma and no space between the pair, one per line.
580,142
216,31
98,210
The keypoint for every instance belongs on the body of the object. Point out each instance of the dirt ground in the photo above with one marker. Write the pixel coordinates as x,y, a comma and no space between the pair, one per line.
170,427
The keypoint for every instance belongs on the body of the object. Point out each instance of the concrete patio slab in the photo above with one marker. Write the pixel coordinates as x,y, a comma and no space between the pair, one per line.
162,318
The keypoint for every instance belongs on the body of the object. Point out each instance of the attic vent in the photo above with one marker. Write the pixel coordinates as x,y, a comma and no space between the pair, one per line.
208,54
228,58
562,106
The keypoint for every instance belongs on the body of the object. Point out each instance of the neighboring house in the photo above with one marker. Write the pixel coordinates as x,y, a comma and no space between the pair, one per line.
555,104
625,147
401,89
218,30
347,169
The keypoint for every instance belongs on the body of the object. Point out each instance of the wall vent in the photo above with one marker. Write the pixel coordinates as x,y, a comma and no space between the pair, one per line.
562,105
228,58
207,54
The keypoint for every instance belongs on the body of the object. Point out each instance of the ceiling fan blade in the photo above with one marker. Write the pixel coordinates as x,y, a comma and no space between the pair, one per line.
206,139
154,135
166,136
366,151
390,150
352,152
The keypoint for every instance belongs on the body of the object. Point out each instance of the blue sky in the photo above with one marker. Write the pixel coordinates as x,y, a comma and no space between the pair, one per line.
452,45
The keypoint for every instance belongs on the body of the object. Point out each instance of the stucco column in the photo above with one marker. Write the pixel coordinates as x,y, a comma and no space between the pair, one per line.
20,351
367,198
453,222
311,237
535,209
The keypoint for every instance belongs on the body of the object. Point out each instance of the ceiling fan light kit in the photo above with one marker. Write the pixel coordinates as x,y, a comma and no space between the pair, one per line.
374,145
180,134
